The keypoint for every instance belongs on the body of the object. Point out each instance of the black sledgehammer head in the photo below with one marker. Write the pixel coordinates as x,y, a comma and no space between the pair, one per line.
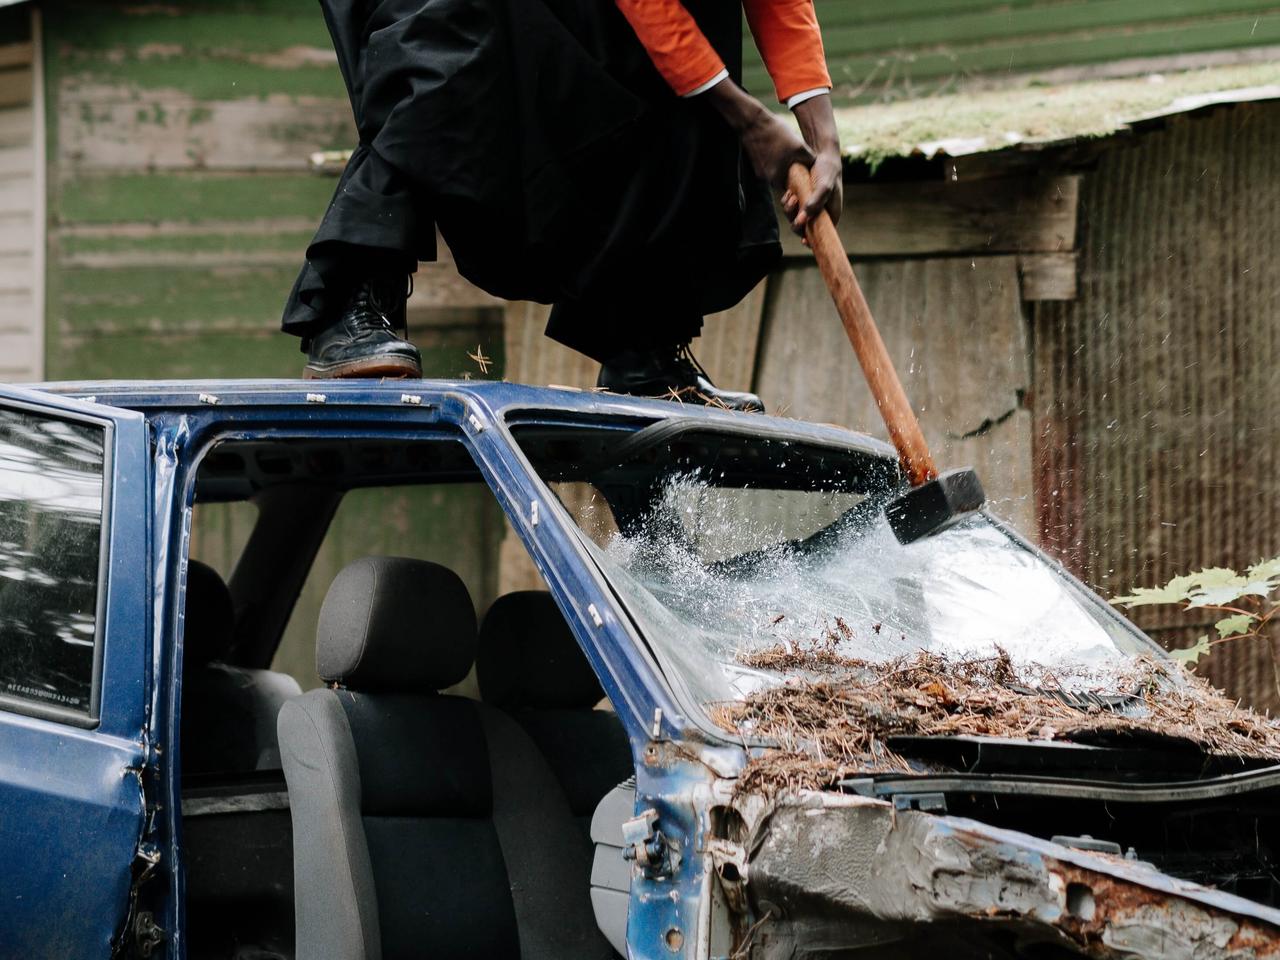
935,506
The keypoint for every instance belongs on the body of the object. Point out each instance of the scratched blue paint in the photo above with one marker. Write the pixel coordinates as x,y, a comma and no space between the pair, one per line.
75,802
71,800
77,796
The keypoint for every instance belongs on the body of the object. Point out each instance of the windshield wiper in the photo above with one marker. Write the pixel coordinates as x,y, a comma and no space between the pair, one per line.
1228,785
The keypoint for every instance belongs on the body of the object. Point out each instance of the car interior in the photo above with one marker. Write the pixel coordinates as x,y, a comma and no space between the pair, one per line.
370,720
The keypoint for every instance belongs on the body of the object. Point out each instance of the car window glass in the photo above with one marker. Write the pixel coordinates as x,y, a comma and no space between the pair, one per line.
459,525
724,546
219,532
51,515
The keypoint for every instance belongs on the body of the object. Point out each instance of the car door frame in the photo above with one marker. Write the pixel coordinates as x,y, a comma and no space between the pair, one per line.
72,785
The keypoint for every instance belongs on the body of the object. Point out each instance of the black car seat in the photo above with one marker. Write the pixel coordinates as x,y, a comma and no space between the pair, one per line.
228,712
424,825
530,665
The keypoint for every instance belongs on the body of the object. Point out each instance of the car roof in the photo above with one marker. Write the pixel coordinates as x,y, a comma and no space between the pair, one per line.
501,399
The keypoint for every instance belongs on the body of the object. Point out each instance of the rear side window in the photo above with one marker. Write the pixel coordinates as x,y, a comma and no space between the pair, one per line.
51,519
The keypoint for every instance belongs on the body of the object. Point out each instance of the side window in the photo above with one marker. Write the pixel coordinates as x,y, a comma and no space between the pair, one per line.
459,525
51,518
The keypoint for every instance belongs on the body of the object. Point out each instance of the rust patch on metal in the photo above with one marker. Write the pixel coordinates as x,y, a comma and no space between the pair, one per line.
1099,910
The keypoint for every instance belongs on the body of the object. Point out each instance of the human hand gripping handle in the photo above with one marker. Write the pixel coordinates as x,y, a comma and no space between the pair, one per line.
773,145
817,121
882,378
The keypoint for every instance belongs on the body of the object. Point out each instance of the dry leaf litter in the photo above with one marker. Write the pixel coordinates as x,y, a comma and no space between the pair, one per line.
833,715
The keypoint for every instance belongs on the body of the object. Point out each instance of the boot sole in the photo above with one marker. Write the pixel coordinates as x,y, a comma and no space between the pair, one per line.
370,369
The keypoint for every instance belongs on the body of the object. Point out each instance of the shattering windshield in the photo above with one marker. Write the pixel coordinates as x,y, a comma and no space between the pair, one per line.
722,546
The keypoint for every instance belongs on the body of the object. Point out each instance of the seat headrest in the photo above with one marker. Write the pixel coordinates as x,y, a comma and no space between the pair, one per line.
529,658
395,625
209,620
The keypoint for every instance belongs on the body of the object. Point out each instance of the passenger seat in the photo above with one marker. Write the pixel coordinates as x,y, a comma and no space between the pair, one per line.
228,712
424,825
530,666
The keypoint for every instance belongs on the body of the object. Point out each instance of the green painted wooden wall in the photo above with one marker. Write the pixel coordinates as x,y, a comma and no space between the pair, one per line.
181,199
181,196
921,46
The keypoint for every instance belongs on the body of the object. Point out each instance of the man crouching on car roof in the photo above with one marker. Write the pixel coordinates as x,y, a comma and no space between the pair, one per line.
601,157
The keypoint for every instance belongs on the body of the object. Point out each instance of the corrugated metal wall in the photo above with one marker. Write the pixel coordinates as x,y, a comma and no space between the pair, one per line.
919,46
1156,391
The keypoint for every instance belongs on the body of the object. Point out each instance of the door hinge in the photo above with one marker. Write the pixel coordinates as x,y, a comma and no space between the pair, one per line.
140,934
645,844
147,934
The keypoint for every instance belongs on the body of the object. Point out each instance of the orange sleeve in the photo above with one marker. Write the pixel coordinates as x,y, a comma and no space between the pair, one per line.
790,42
683,56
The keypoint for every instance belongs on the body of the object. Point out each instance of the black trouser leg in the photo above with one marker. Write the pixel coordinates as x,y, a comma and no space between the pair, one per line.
370,229
604,330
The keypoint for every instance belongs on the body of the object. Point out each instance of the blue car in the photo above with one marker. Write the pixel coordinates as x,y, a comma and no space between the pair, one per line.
169,789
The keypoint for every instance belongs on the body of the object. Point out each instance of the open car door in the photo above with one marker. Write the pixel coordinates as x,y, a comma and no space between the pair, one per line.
75,611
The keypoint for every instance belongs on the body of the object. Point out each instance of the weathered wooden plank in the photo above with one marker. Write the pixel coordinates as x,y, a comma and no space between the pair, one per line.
16,196
956,332
17,233
1007,215
17,273
19,355
271,31
193,197
15,86
15,312
1049,276
164,231
167,130
15,55
240,351
202,260
204,77
17,161
139,300
39,187
16,126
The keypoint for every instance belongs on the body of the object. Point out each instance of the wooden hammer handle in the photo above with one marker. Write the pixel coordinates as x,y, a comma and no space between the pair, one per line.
882,378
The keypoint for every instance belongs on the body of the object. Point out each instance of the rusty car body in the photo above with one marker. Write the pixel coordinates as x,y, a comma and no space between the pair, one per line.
994,847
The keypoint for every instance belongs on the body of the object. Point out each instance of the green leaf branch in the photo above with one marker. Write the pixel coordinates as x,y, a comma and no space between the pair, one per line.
1247,601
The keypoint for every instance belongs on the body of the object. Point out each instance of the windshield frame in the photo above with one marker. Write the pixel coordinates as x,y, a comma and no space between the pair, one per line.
694,712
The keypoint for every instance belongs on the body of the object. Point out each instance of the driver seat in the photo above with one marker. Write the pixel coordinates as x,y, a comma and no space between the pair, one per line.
424,825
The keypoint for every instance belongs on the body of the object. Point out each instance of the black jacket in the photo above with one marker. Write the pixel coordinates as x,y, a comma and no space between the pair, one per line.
555,160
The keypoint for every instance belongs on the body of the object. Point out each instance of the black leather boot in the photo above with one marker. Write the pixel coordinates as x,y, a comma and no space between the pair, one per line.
671,373
364,341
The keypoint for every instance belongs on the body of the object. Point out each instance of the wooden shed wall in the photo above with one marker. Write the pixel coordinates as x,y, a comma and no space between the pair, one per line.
1155,392
915,47
181,199
21,200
